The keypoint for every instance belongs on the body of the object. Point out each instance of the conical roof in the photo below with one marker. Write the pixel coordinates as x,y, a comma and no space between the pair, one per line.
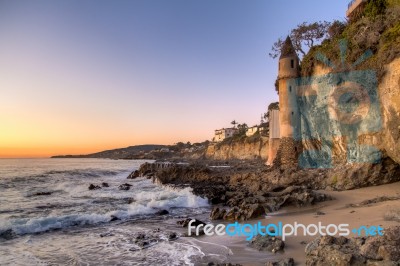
287,49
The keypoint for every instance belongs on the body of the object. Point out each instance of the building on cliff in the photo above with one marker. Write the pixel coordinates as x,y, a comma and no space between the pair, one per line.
251,131
355,8
221,134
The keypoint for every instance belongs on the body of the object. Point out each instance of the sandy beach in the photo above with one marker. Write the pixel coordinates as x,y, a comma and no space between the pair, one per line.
336,211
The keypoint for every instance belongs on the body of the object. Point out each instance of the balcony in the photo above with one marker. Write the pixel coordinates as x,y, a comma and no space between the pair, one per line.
355,7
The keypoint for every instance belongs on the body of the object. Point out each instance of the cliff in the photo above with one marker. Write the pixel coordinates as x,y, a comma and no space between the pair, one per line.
249,148
384,136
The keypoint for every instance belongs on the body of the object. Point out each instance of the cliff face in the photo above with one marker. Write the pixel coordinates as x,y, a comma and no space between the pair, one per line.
246,149
389,91
387,136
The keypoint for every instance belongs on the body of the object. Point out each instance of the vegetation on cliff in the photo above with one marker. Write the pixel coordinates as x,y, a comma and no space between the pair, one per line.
378,31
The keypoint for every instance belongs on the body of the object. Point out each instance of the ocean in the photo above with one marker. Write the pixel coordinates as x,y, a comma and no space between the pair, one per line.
48,216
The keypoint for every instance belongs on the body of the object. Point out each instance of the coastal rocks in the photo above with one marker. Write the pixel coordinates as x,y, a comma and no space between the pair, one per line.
7,234
104,184
185,223
93,187
245,207
134,174
217,213
267,243
143,240
222,264
245,212
386,247
162,212
125,186
283,262
43,193
114,218
373,250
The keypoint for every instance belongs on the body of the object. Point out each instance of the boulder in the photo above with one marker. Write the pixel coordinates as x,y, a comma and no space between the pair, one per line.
185,223
134,174
267,243
125,186
283,262
7,234
114,218
162,212
93,187
372,250
217,213
104,184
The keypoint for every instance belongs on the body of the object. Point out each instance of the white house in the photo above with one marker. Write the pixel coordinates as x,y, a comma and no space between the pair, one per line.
251,131
221,134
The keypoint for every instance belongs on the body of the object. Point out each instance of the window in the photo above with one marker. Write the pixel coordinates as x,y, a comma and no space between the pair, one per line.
292,63
290,88
292,113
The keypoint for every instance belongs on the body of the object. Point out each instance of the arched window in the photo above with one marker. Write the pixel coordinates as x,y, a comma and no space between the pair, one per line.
292,63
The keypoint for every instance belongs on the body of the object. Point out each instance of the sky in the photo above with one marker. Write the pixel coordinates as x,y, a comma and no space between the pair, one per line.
83,76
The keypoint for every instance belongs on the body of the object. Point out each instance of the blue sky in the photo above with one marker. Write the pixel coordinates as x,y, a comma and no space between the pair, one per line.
88,75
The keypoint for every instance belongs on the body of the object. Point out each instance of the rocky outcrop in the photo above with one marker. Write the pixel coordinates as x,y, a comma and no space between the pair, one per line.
373,250
283,262
247,192
267,243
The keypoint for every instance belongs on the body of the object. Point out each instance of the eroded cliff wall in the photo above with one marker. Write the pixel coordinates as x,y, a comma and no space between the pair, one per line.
245,149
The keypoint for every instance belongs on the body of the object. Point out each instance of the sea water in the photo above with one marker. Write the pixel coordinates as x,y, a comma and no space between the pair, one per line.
48,216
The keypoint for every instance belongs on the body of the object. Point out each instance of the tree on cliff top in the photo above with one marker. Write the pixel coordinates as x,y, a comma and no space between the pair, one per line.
234,123
304,36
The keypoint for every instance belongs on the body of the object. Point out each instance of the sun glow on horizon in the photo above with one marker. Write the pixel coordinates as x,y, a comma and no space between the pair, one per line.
81,77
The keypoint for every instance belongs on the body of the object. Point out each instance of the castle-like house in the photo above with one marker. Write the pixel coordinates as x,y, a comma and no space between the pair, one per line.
283,148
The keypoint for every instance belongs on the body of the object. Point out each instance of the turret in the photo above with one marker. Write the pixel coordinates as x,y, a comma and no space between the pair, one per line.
288,61
288,114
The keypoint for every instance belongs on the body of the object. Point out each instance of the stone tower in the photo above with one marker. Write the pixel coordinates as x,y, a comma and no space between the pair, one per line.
288,75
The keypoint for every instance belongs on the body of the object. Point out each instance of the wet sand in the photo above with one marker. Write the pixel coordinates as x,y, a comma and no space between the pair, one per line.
335,211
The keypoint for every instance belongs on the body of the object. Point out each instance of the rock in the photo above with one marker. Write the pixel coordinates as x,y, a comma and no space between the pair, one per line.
223,264
43,193
245,212
253,211
104,184
234,214
7,234
372,250
386,247
125,186
267,243
162,212
114,218
185,223
320,213
134,174
106,234
217,214
93,187
172,236
283,262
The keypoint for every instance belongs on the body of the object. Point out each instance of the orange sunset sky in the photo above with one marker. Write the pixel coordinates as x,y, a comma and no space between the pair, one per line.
78,77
